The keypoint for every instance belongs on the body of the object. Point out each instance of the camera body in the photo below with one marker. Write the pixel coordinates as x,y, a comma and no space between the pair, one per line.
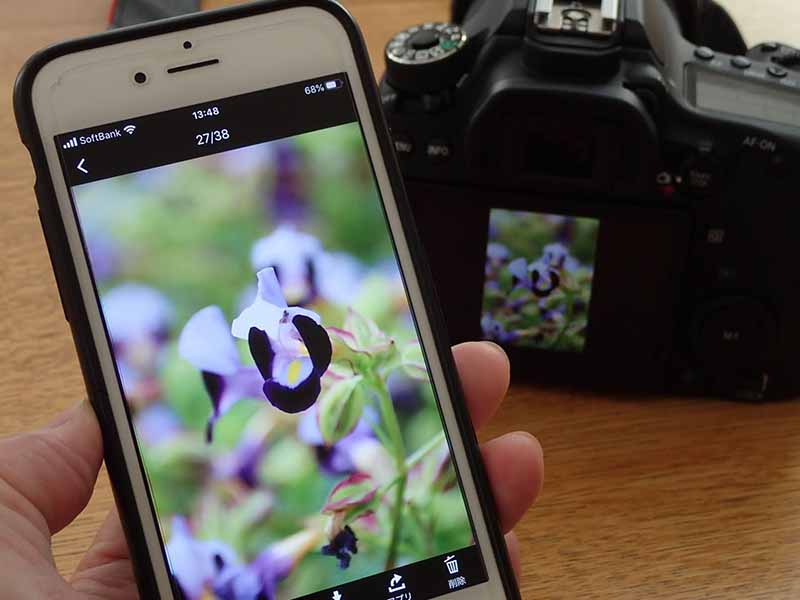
612,203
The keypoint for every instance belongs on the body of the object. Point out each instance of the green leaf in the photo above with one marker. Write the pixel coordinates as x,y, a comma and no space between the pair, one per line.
361,344
364,330
346,351
355,491
340,408
413,362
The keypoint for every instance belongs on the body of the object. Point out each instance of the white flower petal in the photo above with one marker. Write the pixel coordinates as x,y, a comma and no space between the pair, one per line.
207,344
269,290
261,315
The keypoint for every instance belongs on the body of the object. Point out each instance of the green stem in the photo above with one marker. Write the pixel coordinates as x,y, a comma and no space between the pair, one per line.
423,451
389,418
397,519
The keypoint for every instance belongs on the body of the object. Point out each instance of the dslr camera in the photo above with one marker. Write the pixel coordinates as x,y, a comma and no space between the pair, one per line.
610,189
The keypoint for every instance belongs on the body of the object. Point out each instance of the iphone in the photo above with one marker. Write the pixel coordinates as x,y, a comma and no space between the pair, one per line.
256,327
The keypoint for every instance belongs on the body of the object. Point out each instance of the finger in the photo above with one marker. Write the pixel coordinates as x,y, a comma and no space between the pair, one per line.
106,570
512,543
515,465
47,476
485,372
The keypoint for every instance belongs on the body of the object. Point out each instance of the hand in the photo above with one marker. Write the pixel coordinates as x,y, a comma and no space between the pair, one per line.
47,478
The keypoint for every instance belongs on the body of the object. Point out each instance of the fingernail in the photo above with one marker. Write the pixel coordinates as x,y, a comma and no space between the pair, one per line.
498,348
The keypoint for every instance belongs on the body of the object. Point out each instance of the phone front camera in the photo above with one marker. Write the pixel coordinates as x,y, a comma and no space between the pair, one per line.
187,45
140,78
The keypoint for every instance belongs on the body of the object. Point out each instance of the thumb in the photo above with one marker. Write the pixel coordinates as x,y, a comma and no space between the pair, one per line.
47,476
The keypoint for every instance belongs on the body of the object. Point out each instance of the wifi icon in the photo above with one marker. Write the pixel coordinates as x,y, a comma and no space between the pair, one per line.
129,129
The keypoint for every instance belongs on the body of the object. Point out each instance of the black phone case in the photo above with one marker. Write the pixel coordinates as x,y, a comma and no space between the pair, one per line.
75,312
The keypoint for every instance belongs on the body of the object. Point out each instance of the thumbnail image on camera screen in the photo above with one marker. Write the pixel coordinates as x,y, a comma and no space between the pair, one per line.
539,272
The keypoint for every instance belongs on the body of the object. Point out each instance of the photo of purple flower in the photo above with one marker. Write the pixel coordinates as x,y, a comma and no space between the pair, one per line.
271,366
539,272
289,346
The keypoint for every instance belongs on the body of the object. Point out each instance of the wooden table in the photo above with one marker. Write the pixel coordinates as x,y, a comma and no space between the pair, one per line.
655,498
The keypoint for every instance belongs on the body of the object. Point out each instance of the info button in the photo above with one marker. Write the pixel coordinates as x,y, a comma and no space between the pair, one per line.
439,150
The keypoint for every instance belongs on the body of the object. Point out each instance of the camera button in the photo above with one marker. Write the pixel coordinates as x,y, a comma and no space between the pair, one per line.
704,53
741,62
699,175
776,71
403,144
439,150
733,333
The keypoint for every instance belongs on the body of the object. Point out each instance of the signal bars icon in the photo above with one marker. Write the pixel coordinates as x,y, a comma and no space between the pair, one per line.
73,143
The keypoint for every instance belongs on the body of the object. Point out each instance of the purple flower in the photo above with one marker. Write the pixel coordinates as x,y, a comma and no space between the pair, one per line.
337,277
256,581
104,255
259,580
496,331
292,254
305,271
405,393
202,567
343,546
352,495
139,319
243,461
539,277
290,348
157,424
134,313
497,252
557,256
196,564
206,343
289,192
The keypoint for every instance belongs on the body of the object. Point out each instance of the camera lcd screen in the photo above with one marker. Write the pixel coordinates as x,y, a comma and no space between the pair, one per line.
719,92
538,281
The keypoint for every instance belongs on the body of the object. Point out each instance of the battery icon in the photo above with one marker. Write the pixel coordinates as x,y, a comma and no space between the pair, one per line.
333,84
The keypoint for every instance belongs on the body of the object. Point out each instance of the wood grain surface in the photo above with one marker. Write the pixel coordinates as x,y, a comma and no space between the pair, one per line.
645,498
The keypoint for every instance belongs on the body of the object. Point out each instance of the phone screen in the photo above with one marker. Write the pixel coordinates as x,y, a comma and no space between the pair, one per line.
280,401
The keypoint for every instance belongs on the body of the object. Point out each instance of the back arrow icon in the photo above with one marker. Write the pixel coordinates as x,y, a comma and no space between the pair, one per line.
80,166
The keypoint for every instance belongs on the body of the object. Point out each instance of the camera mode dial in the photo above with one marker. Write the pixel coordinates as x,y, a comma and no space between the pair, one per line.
426,58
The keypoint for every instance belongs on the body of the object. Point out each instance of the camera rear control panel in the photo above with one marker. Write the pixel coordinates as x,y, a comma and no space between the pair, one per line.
763,85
